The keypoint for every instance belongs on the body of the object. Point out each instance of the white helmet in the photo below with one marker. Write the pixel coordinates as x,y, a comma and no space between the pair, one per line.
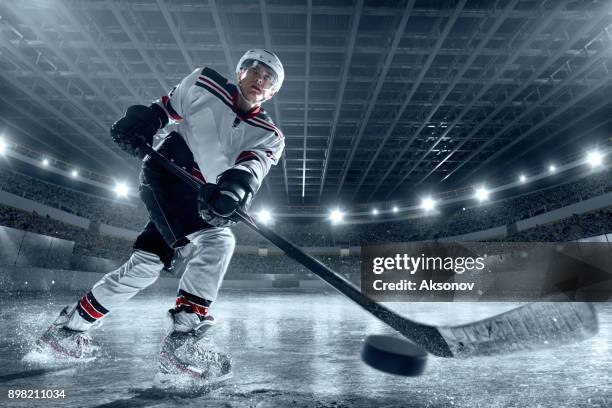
266,57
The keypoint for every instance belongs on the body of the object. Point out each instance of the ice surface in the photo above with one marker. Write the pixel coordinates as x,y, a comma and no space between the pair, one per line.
299,350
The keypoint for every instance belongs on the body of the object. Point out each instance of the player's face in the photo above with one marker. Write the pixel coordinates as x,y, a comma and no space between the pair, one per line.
257,83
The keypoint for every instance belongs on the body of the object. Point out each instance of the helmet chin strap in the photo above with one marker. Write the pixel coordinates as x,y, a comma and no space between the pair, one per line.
259,100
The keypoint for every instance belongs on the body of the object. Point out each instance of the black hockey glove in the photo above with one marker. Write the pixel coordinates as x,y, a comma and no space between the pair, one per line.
234,190
136,128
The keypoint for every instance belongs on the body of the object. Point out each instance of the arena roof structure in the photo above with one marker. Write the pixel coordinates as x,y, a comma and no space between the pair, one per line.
381,98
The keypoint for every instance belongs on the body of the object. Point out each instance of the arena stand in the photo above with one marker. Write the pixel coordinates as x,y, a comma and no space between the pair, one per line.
132,217
113,212
97,252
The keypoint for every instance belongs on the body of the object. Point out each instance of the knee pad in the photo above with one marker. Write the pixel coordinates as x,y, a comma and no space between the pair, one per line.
208,263
221,238
151,241
120,285
143,264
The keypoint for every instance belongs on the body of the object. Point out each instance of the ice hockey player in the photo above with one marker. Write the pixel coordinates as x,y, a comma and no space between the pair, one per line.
222,135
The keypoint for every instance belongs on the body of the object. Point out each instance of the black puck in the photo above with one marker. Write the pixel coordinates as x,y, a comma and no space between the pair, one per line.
393,355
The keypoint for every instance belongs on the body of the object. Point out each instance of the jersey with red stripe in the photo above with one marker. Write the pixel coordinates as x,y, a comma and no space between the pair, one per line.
203,108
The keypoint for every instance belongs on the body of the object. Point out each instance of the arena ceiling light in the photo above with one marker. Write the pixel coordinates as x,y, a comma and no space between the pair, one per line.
374,211
522,178
121,189
428,204
3,146
45,162
552,168
482,194
74,174
264,216
336,216
395,209
594,158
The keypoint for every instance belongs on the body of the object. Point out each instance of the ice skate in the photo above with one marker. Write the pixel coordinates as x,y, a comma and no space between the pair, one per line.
60,344
189,359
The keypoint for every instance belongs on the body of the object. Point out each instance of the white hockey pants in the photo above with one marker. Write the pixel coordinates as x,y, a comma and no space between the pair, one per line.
209,258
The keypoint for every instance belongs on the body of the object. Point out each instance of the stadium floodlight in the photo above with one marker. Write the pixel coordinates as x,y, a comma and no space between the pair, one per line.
3,146
374,211
45,162
594,158
428,204
482,194
74,174
336,216
552,168
121,189
522,178
264,216
395,209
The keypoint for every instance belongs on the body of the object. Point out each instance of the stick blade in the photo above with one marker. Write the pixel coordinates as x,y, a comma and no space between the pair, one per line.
529,327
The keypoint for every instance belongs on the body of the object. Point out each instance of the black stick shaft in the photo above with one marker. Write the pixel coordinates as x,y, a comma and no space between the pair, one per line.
425,336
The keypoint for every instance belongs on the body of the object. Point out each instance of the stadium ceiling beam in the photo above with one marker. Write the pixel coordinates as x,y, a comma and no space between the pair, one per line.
456,80
98,49
60,116
590,111
348,55
306,89
550,62
577,98
128,31
177,37
43,76
364,49
399,31
383,11
294,80
441,38
68,61
277,116
498,73
214,10
322,33
583,132
53,148
295,100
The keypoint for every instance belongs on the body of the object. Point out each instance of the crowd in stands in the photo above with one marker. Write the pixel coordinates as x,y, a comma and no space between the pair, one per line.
461,221
526,205
323,234
577,226
86,242
242,264
113,212
133,216
44,225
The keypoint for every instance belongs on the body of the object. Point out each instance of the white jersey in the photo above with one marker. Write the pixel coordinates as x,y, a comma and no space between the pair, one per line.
217,133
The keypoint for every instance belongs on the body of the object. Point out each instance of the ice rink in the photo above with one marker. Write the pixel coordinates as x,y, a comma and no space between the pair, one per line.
296,349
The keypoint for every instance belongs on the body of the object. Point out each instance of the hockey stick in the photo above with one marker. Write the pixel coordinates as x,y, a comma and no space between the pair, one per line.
528,327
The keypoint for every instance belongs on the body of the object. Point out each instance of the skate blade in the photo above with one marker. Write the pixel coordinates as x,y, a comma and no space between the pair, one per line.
187,384
45,354
46,358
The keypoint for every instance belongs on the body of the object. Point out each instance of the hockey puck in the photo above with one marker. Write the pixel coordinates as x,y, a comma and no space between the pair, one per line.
393,355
